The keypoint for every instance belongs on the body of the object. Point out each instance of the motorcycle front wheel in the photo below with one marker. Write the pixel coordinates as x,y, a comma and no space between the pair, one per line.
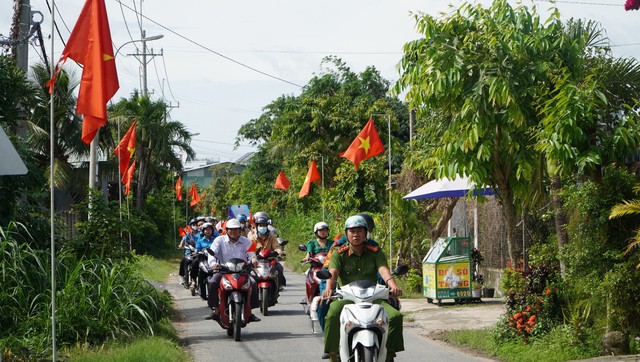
366,354
264,305
237,322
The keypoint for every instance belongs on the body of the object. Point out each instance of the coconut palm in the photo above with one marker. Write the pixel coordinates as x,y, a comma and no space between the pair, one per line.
157,141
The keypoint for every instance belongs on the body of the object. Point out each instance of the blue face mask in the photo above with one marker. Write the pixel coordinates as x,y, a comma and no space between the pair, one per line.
262,230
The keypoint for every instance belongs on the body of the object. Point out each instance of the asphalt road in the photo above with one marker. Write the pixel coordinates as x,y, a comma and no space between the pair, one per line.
284,335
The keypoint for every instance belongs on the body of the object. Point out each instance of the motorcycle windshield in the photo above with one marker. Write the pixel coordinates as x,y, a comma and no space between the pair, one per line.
362,289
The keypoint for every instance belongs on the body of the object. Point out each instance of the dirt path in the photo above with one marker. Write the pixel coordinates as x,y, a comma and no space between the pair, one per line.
433,320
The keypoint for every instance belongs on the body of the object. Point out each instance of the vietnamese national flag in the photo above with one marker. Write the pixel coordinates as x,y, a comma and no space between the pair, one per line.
179,188
126,179
193,193
126,148
367,144
312,176
282,182
90,45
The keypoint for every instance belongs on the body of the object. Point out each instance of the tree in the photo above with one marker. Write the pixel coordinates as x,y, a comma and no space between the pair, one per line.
500,90
321,122
157,141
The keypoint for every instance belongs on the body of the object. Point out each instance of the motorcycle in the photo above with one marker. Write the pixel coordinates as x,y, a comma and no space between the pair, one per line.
267,278
363,325
312,285
233,293
203,272
186,279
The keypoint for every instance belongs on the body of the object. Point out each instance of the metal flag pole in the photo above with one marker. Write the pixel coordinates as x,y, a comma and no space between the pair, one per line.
119,180
390,219
52,201
322,168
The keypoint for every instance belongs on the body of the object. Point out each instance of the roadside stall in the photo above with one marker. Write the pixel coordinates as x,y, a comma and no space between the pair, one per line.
447,270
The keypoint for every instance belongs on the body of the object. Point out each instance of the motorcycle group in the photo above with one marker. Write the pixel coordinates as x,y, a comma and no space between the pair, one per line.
350,293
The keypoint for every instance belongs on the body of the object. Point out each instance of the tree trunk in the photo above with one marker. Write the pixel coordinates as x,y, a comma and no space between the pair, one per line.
449,205
560,218
142,176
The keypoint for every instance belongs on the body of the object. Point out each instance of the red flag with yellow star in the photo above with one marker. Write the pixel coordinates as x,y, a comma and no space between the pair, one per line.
179,188
126,148
126,179
367,144
312,176
282,182
90,45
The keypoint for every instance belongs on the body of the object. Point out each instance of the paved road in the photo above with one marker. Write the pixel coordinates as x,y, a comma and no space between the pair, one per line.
284,335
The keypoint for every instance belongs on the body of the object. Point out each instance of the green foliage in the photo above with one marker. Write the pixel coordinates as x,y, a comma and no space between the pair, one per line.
544,253
97,299
413,281
149,349
620,288
512,281
101,234
533,307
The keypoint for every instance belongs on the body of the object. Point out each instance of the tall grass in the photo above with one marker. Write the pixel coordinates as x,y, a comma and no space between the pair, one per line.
96,299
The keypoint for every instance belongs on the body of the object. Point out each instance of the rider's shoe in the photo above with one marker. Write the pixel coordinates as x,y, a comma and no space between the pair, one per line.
325,355
254,318
334,357
390,357
213,316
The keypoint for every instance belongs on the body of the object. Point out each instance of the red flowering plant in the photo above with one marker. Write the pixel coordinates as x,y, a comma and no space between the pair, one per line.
632,5
533,310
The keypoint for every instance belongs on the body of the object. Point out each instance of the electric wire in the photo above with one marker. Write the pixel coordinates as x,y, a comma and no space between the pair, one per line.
211,50
56,25
124,18
578,2
164,65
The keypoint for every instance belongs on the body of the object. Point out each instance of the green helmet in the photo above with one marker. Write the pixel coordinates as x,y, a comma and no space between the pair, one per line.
355,221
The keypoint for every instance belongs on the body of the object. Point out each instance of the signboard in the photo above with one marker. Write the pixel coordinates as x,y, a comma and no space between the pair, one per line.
453,280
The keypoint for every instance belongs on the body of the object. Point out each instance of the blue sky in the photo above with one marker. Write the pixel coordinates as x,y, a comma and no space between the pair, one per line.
284,39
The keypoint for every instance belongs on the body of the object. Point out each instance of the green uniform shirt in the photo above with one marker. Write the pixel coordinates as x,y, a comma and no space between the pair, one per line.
353,267
313,246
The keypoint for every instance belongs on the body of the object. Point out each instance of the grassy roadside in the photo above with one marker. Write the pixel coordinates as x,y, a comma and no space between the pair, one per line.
161,347
558,346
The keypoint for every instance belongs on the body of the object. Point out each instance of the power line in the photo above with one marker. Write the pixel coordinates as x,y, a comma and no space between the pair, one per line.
124,18
164,65
211,50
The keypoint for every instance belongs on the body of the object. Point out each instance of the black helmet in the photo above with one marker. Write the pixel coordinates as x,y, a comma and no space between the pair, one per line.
193,221
210,219
261,219
370,223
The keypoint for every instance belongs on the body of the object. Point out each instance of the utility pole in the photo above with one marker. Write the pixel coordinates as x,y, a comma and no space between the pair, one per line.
19,31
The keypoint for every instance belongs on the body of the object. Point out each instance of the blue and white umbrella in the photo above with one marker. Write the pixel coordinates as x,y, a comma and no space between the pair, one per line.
460,187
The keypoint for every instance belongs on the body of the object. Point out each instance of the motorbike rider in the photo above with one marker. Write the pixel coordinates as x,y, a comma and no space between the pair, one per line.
264,239
225,247
320,243
359,260
208,235
188,242
244,228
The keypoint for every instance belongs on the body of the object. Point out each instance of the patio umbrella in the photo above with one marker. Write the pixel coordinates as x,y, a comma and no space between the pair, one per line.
436,189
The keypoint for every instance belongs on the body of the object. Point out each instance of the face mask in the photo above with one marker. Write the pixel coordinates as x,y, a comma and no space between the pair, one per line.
262,230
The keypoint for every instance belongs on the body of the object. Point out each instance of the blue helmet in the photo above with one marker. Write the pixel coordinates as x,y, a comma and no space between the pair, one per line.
355,221
242,218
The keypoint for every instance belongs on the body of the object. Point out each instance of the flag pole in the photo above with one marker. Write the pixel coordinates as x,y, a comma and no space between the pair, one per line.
322,168
52,194
389,164
119,182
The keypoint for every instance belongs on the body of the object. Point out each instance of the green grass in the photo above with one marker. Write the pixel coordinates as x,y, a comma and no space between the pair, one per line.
155,349
157,270
555,347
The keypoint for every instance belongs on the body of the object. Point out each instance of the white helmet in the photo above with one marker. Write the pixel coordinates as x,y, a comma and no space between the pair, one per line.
319,226
207,225
233,224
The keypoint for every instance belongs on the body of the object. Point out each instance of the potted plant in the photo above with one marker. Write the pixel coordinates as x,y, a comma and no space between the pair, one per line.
476,277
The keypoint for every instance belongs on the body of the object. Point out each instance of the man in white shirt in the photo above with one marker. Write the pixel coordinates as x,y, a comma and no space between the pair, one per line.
226,247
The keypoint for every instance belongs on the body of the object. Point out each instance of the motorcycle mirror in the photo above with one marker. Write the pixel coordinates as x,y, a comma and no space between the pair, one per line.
401,270
323,274
302,247
284,242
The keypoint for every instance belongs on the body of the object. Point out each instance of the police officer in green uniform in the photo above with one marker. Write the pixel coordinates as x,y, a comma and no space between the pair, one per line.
359,260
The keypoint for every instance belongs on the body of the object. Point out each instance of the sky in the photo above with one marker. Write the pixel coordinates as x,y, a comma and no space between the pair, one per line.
223,61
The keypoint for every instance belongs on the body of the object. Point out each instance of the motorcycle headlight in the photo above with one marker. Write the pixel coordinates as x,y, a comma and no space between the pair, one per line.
380,319
247,284
351,319
226,284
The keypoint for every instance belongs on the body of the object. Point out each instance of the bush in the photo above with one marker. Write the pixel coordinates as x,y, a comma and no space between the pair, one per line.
96,299
413,281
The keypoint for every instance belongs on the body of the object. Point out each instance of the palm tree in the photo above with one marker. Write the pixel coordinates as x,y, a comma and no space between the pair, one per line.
68,125
631,207
157,141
